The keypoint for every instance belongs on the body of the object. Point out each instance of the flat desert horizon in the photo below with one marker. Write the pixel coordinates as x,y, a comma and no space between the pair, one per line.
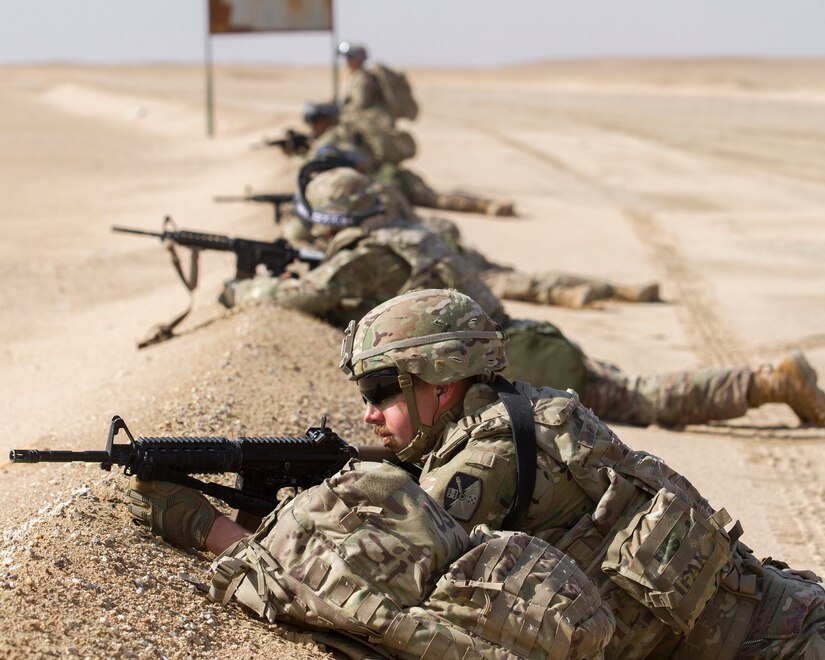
707,176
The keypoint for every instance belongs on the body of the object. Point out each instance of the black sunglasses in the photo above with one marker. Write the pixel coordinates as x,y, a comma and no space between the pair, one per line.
379,386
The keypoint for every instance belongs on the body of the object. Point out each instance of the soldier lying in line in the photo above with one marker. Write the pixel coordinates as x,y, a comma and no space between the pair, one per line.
548,288
365,266
381,147
672,578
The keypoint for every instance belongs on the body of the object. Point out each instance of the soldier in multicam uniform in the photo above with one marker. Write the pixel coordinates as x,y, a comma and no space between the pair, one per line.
548,288
672,578
381,148
671,568
368,554
364,267
363,90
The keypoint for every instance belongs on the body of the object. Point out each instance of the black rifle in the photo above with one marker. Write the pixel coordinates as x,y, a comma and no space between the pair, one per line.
263,465
293,143
276,199
275,255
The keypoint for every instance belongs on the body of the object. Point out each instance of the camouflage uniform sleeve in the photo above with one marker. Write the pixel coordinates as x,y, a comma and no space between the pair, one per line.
361,273
300,293
478,484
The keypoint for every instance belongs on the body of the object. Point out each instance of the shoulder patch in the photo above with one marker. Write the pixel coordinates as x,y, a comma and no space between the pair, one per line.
462,496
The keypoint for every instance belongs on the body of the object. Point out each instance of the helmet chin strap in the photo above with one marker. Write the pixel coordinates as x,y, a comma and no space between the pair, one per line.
423,436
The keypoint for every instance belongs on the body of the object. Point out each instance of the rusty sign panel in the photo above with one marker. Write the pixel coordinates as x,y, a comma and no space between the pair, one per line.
227,16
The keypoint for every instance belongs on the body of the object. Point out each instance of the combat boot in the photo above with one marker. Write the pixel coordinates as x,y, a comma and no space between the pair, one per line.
500,208
471,204
574,297
644,293
792,381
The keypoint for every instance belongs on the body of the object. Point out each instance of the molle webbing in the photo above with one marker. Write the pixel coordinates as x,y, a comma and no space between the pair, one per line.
527,617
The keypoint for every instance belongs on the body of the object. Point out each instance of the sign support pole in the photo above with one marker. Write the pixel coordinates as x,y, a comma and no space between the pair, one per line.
210,109
335,72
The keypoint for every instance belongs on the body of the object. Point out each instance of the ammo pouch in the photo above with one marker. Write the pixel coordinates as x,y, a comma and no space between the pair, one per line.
671,559
510,594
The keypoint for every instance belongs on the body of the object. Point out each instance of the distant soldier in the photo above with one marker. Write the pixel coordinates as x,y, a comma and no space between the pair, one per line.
378,87
380,148
368,262
546,288
363,89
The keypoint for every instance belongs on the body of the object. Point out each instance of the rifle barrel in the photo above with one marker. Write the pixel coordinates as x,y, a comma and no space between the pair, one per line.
47,456
142,232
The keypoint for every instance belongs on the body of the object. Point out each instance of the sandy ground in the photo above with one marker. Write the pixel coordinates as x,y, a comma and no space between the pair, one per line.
709,177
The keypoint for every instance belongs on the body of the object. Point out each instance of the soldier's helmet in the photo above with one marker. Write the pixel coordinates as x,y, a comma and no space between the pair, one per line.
315,111
332,193
439,335
353,50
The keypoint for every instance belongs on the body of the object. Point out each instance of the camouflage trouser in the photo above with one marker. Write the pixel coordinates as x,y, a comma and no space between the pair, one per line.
682,397
790,620
416,190
785,620
547,288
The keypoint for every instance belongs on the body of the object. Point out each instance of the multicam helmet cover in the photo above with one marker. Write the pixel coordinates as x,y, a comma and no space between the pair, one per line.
439,335
331,193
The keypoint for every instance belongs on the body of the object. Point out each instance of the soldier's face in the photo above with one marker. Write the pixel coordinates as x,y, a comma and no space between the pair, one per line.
390,418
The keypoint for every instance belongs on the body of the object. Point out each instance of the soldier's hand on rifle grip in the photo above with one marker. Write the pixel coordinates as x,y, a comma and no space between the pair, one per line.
180,515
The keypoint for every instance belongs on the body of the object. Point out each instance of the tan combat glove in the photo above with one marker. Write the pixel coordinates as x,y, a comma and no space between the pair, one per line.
180,515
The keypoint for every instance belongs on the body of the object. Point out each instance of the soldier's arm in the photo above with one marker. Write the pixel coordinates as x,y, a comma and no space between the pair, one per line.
477,485
224,533
312,293
362,273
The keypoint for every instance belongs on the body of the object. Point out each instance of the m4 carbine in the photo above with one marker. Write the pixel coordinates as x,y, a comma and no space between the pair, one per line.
276,199
275,255
263,465
292,144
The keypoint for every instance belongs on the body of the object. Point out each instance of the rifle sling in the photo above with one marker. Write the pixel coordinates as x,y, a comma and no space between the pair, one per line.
163,331
234,497
524,439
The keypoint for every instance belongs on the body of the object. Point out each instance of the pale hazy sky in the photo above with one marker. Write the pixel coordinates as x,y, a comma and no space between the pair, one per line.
420,32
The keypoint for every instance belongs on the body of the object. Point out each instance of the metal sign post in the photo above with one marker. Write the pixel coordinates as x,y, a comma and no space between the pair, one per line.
248,16
210,107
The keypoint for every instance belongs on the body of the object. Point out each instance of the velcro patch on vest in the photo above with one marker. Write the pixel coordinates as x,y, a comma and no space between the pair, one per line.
462,496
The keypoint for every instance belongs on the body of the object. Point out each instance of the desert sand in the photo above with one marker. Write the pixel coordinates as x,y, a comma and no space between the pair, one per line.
707,176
